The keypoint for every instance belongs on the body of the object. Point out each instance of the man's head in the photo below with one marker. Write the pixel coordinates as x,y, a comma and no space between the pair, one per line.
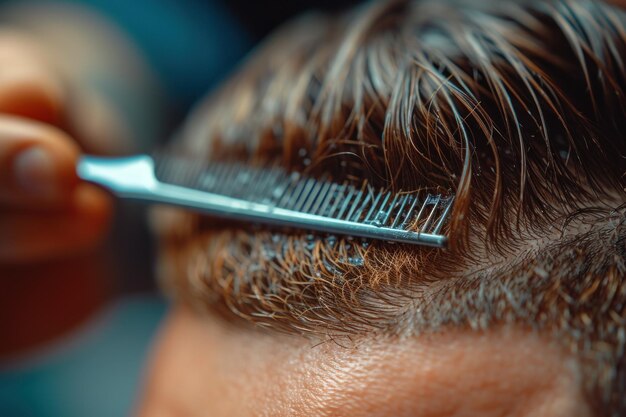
518,108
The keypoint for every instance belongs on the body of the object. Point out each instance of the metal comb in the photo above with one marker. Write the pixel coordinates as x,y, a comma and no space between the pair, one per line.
272,196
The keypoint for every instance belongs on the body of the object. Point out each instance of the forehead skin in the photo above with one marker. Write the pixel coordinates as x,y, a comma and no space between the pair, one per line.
202,368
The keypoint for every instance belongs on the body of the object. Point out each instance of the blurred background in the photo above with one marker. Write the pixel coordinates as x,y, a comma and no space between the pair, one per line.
72,344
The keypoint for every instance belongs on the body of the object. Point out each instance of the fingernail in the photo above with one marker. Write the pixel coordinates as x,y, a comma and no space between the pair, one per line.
34,170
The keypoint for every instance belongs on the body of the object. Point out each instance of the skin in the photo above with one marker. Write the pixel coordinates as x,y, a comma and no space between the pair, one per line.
245,372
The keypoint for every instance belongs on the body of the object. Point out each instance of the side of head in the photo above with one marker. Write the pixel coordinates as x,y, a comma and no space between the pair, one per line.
518,108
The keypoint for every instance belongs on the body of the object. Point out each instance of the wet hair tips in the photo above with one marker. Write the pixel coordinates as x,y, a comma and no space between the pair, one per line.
515,107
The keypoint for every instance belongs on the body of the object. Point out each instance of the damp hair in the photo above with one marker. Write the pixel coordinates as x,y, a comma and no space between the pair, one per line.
515,107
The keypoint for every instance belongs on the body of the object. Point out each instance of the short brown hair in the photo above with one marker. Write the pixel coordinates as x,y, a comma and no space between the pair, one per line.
516,107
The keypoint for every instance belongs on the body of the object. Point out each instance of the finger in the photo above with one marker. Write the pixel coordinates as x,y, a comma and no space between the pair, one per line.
32,87
97,126
29,237
29,85
37,163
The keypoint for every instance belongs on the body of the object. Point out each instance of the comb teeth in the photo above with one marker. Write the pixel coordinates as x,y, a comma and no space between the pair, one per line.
273,186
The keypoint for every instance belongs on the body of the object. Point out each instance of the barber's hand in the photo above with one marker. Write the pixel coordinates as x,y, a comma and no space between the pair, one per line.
45,212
